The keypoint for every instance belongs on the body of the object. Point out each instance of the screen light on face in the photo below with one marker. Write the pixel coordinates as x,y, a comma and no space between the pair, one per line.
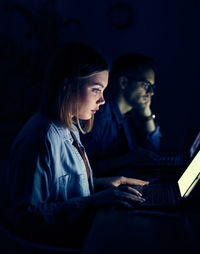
190,176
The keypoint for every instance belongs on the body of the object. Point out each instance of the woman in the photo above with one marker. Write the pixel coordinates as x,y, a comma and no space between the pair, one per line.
52,193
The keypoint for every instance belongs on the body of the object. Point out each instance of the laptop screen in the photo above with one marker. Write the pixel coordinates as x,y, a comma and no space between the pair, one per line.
190,177
195,145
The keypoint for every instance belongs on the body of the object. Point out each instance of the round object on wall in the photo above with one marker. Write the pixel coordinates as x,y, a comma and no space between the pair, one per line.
120,15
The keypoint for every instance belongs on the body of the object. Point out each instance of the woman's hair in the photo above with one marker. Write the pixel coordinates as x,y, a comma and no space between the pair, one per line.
72,62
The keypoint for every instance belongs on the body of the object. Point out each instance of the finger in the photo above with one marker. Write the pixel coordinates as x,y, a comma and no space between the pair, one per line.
125,196
133,181
130,189
133,198
141,182
154,156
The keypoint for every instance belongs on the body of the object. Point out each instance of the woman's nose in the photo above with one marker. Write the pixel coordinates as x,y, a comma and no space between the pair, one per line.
101,100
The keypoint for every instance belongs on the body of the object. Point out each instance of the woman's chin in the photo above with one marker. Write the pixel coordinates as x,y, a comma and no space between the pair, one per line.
85,117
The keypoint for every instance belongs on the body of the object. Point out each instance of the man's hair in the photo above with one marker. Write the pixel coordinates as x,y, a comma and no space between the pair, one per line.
131,63
72,62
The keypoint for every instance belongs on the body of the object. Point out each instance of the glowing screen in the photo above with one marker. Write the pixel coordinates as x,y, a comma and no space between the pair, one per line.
190,175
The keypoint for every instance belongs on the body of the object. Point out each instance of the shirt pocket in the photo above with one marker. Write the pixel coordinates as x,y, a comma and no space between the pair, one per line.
73,185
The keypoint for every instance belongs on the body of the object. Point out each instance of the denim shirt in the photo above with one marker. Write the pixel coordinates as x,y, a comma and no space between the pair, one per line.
113,134
47,176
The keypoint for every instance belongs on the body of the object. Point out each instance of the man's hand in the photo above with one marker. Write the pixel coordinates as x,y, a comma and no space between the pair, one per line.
145,155
140,156
143,106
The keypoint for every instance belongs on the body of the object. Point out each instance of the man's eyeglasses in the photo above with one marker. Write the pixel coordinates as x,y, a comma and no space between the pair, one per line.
146,85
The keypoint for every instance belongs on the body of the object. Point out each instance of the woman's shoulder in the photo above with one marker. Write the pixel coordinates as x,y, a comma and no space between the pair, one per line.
40,128
57,132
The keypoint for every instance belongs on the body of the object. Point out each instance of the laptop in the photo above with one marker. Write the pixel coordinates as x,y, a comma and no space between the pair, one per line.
177,160
166,195
195,146
182,159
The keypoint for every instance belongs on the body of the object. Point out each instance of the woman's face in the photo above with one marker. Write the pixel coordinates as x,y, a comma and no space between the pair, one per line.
91,95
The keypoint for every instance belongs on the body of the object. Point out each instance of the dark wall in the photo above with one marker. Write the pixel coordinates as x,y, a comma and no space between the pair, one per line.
166,30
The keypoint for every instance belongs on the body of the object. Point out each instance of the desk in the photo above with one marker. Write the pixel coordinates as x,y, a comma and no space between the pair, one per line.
147,231
140,231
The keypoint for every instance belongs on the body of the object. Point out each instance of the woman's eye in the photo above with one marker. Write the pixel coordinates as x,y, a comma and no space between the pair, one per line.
96,90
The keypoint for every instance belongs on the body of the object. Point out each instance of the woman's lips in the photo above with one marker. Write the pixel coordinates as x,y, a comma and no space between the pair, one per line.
94,111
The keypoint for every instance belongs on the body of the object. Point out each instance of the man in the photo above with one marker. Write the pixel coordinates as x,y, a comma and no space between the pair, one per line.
125,132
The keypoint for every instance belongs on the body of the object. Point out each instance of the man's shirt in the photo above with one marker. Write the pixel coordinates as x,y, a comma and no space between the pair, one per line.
113,134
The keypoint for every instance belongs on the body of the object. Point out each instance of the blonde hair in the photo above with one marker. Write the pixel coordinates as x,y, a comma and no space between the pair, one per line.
72,63
66,102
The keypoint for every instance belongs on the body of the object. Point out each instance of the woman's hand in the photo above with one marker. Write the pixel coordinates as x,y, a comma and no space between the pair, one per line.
121,197
117,181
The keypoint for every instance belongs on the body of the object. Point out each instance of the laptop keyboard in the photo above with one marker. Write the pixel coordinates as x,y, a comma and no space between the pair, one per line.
171,160
165,160
159,194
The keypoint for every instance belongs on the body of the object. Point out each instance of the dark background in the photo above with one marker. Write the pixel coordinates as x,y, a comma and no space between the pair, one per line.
167,30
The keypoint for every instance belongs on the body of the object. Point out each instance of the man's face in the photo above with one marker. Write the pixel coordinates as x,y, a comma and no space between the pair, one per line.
138,92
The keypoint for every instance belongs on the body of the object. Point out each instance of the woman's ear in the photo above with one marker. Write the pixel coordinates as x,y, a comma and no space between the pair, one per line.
123,82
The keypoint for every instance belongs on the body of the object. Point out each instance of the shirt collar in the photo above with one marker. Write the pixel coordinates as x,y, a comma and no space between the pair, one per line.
66,135
117,113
